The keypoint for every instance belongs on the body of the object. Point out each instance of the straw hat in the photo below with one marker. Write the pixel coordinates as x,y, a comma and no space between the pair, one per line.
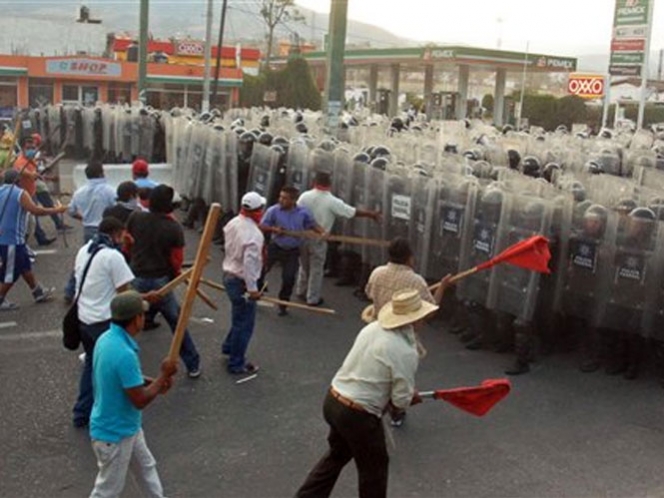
369,314
406,307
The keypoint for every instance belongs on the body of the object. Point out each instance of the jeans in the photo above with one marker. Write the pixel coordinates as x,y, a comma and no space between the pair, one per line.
353,435
243,318
44,198
289,259
113,461
168,306
70,288
89,335
312,267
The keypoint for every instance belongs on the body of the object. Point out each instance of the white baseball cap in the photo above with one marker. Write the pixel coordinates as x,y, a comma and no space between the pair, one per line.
252,200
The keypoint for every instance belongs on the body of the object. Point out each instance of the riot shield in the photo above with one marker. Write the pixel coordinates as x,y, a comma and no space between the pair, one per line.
297,172
514,290
232,170
262,170
377,199
423,205
199,172
586,269
398,215
195,157
480,245
454,199
127,132
627,301
146,133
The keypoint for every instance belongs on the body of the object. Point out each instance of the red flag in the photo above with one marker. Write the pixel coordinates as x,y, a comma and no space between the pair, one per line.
531,254
477,400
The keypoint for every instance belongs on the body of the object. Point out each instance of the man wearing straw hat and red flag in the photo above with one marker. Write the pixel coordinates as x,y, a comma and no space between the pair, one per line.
379,371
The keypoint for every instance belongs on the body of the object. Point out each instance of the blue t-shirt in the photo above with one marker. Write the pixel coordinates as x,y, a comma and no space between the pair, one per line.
12,228
145,183
115,367
296,219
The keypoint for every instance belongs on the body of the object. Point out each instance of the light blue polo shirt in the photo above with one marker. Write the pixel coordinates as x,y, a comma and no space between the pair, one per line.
115,367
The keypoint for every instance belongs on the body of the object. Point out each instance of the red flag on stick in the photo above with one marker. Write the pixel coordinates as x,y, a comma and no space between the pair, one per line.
477,400
531,254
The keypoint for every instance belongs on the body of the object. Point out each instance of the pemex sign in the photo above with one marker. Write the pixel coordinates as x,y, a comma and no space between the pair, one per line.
632,22
586,86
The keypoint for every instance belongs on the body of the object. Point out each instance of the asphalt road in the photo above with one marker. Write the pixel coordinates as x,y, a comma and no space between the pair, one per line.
560,433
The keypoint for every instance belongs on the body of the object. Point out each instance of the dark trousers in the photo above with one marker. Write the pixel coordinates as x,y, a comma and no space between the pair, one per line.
353,435
290,263
89,335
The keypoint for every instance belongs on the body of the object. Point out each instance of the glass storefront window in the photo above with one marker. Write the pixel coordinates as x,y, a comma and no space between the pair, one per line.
119,93
40,92
79,94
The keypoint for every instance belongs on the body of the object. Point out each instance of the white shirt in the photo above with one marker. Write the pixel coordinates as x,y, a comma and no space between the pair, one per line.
380,367
108,272
325,207
243,250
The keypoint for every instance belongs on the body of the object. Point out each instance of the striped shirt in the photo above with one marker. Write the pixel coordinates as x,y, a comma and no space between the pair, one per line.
13,223
385,280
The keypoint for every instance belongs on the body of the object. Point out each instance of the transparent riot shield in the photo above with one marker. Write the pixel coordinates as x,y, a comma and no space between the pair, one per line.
263,170
195,157
398,216
232,170
482,236
514,290
586,269
454,199
377,199
423,205
297,172
146,134
627,303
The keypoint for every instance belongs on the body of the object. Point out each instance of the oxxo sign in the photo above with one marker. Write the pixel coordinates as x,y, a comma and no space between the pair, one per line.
587,86
189,47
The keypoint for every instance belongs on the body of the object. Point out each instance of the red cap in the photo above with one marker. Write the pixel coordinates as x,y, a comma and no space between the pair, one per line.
140,167
37,139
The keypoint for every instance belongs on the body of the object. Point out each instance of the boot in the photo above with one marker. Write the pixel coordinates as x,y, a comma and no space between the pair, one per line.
520,367
635,346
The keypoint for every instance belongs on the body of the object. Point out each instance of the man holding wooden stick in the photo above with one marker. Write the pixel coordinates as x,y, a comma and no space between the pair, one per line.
326,208
243,264
286,216
156,258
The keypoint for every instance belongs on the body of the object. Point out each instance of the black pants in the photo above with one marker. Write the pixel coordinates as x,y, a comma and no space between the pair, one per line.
353,435
290,263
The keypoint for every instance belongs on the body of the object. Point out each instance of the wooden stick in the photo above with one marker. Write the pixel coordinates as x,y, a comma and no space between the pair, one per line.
205,298
17,130
289,304
175,282
347,239
196,272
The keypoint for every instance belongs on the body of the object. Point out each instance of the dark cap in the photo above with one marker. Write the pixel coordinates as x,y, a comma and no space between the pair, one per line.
127,305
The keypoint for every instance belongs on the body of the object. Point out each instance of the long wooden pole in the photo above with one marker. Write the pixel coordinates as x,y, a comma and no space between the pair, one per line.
346,239
326,311
196,272
17,130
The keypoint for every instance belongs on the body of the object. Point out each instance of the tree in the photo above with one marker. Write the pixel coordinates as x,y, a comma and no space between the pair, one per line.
275,12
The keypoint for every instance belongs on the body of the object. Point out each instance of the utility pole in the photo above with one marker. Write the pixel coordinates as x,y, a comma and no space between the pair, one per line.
659,67
143,52
205,104
220,42
335,62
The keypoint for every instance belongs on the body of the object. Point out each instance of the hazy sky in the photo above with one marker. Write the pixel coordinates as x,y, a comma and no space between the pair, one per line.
561,27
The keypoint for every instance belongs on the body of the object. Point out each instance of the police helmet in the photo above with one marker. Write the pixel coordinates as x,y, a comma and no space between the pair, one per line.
380,151
362,157
550,171
379,163
514,158
531,167
300,127
265,138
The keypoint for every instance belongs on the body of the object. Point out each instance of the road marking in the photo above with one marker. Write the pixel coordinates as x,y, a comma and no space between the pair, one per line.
30,335
7,325
42,252
242,381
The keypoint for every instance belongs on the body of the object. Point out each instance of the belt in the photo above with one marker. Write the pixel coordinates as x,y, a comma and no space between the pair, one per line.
345,401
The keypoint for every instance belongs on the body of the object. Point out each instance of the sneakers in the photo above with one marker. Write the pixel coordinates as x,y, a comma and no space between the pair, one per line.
317,303
398,419
42,295
81,357
195,373
8,305
247,369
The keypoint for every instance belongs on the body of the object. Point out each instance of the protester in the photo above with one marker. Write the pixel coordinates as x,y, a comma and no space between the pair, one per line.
90,200
325,208
284,249
121,392
88,205
26,166
243,262
15,204
398,274
156,258
127,202
140,172
378,373
108,274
